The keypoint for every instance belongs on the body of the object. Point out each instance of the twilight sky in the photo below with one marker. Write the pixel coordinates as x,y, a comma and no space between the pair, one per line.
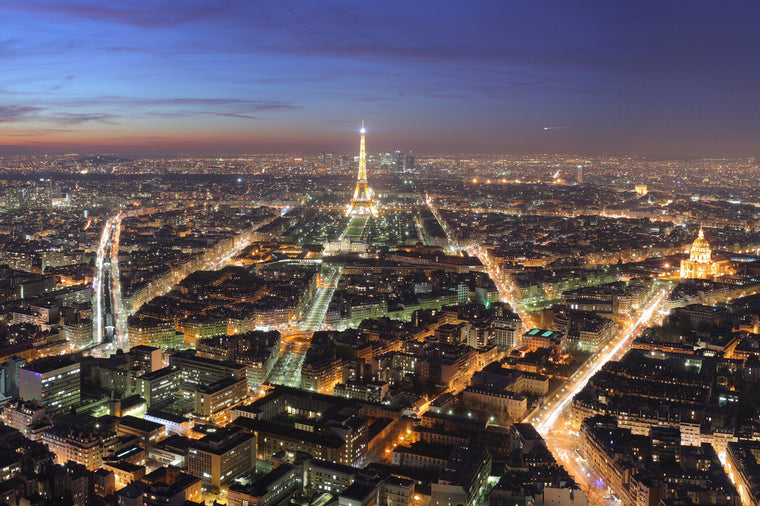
615,76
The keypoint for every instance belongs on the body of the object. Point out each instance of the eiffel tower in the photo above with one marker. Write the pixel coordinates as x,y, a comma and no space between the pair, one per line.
363,201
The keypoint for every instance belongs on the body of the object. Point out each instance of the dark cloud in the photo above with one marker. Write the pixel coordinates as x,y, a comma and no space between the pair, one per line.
143,14
78,118
188,114
20,114
438,94
14,113
176,107
375,99
247,105
237,103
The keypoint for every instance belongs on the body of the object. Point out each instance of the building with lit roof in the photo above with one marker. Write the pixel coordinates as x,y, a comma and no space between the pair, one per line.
541,338
701,264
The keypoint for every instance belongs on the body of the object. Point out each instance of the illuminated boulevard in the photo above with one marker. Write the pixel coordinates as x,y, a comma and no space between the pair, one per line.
120,339
552,420
110,320
317,311
287,370
552,417
504,284
110,310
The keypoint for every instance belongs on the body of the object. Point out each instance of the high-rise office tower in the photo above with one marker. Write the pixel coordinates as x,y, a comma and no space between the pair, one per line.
54,382
409,162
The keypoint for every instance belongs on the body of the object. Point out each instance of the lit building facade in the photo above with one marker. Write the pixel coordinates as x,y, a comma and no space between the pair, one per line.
503,403
79,333
82,447
701,264
506,332
222,456
158,388
28,417
52,382
147,358
214,402
150,331
198,372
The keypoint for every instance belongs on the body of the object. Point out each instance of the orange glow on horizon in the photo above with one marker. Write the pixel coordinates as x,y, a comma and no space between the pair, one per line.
166,138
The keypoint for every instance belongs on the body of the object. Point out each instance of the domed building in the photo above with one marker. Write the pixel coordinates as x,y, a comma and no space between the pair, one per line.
701,264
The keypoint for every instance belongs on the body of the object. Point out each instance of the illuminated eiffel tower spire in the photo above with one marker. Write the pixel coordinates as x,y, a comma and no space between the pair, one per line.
363,201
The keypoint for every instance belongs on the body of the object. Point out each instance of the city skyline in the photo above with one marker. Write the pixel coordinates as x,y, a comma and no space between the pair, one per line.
259,329
379,253
675,79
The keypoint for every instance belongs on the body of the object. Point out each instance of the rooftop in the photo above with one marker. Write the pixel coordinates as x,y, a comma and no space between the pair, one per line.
139,424
50,364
